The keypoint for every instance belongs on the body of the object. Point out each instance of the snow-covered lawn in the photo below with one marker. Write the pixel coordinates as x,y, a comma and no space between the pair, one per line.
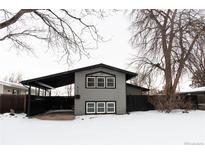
151,127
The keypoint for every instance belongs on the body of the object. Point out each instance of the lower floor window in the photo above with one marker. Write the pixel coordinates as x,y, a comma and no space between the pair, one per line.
90,107
110,107
100,107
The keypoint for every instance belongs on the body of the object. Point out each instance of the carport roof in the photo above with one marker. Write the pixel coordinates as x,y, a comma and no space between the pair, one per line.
66,78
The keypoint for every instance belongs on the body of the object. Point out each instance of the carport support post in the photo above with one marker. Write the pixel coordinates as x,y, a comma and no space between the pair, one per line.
29,101
38,91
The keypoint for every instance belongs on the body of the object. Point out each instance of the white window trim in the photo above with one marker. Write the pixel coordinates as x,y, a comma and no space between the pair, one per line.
88,77
113,82
90,107
100,107
109,107
97,82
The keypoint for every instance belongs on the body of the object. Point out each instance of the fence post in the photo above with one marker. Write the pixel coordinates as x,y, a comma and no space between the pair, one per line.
24,104
29,101
0,104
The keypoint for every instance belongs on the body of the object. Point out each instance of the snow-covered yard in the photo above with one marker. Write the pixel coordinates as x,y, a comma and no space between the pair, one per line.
149,127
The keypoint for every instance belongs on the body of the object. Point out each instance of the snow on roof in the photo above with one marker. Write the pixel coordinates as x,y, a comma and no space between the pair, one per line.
192,90
11,84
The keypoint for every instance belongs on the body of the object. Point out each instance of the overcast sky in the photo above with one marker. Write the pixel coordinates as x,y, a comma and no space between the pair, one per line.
116,52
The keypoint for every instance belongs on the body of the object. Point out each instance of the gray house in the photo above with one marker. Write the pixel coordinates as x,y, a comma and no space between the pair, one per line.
99,89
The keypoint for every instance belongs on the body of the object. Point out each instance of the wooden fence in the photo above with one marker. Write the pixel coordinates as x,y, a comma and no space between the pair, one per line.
201,102
138,103
41,104
143,103
15,102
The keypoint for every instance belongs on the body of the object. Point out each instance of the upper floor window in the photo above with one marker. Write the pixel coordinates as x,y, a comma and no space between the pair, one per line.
90,82
110,82
100,80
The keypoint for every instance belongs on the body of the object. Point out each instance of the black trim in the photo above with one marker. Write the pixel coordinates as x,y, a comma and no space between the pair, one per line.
77,96
96,107
126,95
65,78
138,87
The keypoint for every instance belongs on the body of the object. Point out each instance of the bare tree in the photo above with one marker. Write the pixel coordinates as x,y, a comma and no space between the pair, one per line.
14,77
69,89
64,30
196,65
165,40
143,80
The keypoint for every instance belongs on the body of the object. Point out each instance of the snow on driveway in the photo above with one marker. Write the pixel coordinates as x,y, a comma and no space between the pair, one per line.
150,127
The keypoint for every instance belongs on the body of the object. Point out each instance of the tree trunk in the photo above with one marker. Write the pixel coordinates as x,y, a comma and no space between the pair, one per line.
168,78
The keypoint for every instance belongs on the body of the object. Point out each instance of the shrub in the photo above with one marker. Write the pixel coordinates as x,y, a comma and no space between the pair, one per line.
177,102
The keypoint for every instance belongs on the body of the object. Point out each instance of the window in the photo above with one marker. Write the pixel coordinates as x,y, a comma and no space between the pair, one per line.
90,107
100,82
15,92
110,106
100,107
90,82
110,82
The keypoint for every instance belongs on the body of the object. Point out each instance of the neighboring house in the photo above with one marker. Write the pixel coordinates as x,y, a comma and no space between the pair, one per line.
99,89
199,93
12,88
136,90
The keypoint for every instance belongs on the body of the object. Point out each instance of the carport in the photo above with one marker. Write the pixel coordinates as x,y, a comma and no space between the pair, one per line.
36,104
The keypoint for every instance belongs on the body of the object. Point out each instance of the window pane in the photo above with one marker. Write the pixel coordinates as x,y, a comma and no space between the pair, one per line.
90,82
90,79
110,82
101,109
110,105
101,82
111,109
91,110
101,105
90,105
100,79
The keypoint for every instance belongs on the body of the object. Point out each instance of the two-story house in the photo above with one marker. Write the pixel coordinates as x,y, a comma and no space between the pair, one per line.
99,89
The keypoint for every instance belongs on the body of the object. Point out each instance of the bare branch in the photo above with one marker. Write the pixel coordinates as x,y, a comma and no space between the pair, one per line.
165,39
15,18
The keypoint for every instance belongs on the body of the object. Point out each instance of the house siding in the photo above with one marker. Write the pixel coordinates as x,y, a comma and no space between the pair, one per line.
118,94
1,89
9,90
133,91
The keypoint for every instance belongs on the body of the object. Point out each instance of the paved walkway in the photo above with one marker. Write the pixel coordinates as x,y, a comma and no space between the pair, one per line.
56,115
